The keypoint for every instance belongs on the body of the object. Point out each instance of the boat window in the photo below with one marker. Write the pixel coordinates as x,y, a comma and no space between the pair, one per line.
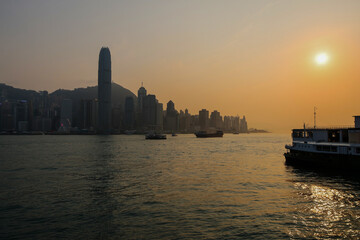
298,134
333,136
358,150
345,135
326,148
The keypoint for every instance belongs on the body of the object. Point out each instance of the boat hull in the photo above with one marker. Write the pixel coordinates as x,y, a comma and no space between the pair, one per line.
155,137
323,160
209,135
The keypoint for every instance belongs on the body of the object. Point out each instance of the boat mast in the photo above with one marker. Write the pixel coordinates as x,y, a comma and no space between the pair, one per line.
315,117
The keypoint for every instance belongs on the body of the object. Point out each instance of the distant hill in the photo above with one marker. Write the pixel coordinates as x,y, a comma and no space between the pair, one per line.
118,94
12,93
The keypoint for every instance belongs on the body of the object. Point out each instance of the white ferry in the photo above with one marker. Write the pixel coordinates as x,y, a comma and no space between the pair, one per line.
326,147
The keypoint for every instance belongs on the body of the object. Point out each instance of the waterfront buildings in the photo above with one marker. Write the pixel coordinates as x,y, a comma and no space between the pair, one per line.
92,110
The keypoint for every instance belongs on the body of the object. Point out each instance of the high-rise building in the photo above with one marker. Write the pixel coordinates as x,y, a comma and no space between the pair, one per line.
88,114
104,91
140,106
8,116
141,96
235,123
22,123
227,124
116,118
159,117
66,115
243,125
149,112
216,120
129,113
172,117
204,119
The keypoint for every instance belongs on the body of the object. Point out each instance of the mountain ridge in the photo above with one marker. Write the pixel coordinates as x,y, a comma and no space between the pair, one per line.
118,94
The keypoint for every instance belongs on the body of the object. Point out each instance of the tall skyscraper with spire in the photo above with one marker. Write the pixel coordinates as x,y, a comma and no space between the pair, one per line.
104,91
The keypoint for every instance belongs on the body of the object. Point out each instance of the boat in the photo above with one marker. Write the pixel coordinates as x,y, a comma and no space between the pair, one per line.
155,136
333,147
129,132
205,134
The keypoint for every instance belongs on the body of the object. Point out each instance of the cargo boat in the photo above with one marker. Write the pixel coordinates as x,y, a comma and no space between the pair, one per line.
204,134
336,148
155,136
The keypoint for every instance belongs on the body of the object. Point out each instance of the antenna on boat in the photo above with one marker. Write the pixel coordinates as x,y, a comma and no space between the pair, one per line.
315,117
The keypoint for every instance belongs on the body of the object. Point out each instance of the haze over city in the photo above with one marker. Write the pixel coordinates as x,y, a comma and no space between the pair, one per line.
272,61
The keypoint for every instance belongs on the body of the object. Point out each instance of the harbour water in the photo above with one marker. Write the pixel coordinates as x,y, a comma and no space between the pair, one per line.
126,187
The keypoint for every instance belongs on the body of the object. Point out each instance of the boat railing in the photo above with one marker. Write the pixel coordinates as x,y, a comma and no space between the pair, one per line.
328,127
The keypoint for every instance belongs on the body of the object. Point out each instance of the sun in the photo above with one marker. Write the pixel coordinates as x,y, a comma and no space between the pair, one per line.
321,58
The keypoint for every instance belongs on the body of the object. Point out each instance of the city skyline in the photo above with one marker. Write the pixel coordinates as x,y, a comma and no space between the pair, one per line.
62,112
256,57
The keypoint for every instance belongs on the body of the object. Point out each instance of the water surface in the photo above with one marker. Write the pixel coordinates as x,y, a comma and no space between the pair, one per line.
126,187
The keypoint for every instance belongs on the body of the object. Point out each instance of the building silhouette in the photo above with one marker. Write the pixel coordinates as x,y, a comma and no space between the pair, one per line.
88,116
243,125
104,91
159,116
171,118
66,115
140,106
149,112
216,120
129,121
116,118
204,119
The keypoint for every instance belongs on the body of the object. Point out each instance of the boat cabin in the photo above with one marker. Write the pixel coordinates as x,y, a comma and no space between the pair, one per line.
331,135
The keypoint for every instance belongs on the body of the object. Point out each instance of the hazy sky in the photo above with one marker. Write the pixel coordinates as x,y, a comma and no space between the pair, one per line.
253,58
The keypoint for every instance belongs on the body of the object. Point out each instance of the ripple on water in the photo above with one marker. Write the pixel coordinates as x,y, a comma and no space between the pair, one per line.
128,188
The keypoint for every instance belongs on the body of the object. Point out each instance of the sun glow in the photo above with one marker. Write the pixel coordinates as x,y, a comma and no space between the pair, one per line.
321,58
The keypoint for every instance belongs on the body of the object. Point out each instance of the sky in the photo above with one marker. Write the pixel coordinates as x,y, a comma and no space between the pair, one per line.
252,58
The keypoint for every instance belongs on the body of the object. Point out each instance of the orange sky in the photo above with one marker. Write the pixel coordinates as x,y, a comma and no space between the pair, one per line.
253,58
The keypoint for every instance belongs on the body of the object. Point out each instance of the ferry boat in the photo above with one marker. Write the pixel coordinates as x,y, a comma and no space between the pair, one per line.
205,134
155,136
337,148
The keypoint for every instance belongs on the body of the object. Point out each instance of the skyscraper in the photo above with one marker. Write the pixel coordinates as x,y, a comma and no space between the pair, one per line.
172,117
216,120
204,119
140,105
104,91
129,113
243,125
149,112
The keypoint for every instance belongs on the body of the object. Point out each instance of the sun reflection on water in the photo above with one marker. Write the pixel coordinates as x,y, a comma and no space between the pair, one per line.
329,212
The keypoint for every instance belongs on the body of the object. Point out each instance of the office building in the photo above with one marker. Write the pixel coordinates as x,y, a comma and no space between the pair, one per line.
104,91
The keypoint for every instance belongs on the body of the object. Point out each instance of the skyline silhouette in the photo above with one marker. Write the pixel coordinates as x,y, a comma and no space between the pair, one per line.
255,57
